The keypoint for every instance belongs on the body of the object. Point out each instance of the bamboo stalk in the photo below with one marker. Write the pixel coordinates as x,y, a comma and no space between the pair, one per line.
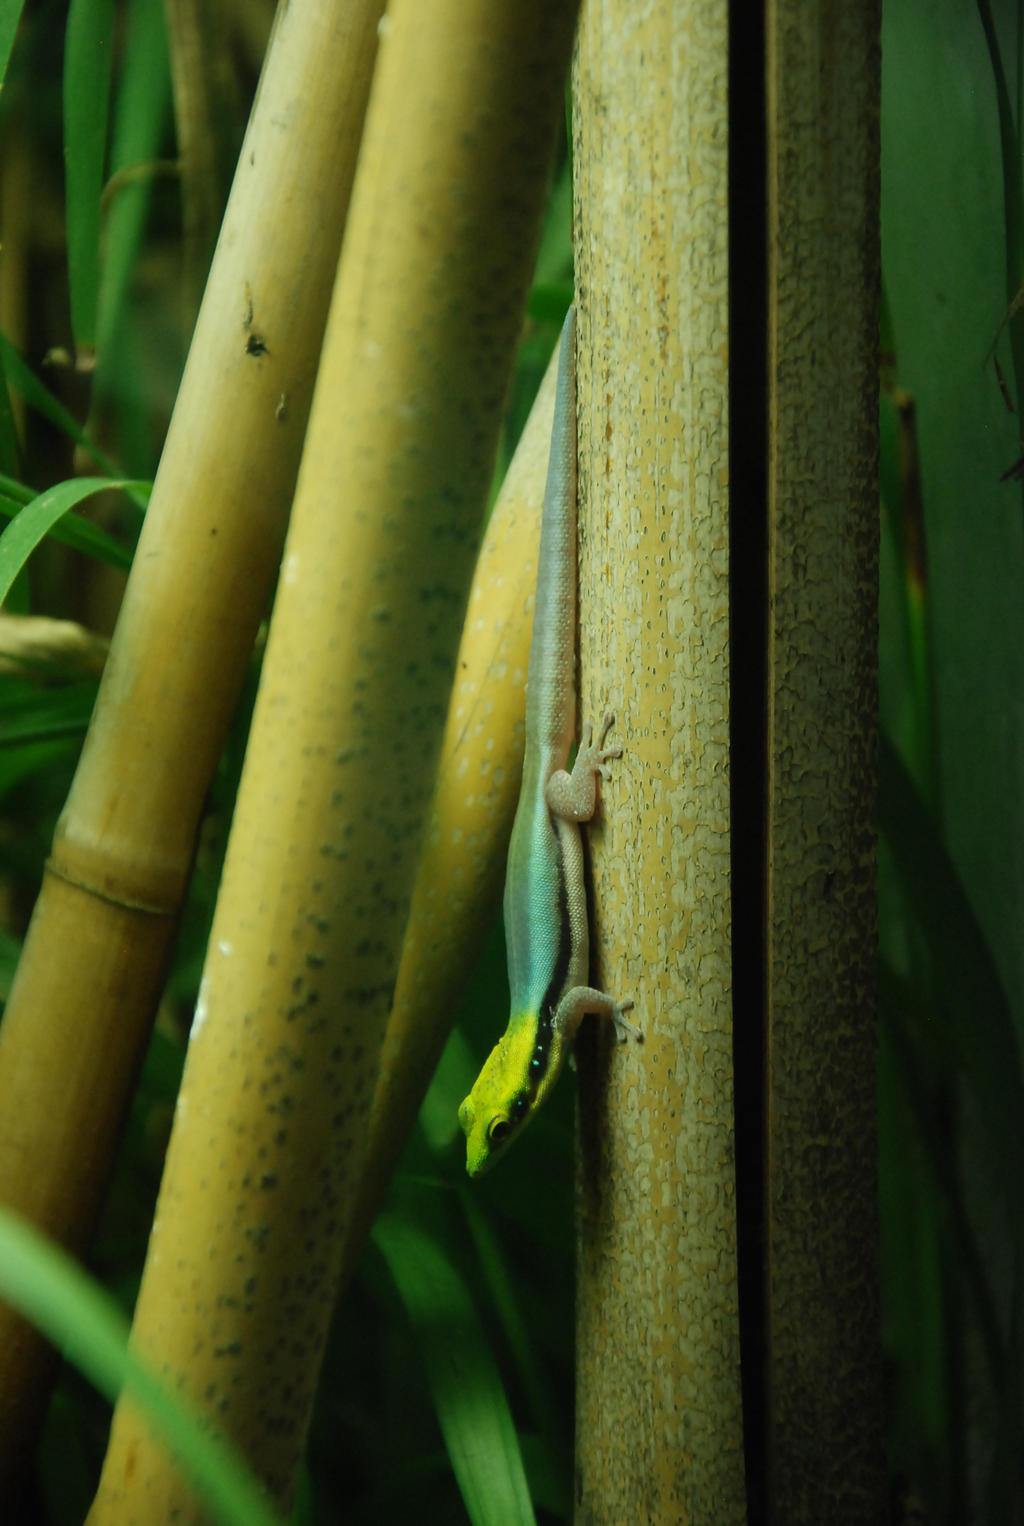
461,869
823,1358
659,1425
90,975
261,1172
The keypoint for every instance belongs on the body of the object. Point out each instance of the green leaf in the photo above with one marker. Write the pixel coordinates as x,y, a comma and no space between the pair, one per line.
8,431
908,1026
920,1276
943,214
80,534
550,1448
38,518
73,1312
979,1029
16,491
471,1406
24,380
10,15
33,717
29,761
141,110
1012,198
10,953
88,47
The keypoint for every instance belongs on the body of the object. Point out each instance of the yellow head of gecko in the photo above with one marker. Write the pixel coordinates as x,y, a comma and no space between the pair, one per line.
502,1100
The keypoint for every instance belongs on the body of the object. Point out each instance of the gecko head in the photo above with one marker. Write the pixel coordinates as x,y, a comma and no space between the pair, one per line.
497,1108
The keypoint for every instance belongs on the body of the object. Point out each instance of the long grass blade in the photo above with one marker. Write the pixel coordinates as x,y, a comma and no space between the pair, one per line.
46,1286
88,47
33,718
9,448
38,518
898,1002
980,1027
1013,191
468,1395
79,534
10,15
24,381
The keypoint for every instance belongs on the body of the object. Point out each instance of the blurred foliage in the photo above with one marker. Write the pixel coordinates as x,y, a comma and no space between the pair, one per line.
951,672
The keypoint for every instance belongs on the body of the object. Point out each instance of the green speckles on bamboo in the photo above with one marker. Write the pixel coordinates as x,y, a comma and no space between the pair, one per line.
257,1236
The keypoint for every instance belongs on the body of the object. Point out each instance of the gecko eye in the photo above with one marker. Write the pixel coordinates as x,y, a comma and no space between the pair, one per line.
501,1127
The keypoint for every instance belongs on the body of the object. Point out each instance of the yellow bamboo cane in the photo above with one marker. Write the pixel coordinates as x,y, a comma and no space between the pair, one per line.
89,979
461,868
659,1417
271,1123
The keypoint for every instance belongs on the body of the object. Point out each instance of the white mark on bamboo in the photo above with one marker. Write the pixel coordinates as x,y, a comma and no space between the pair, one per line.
199,1017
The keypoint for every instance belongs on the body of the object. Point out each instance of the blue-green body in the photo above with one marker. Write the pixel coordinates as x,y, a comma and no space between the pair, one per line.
545,898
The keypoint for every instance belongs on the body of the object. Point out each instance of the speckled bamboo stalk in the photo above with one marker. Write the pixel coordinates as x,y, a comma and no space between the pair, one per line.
823,1391
462,867
659,1421
261,1172
79,1014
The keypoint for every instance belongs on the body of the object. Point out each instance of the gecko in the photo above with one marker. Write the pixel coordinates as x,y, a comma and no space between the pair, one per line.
545,903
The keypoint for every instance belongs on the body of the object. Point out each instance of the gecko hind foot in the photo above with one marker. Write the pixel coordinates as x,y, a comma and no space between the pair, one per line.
624,1030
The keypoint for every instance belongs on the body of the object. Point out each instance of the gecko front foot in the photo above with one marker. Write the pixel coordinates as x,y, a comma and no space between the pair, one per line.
594,755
